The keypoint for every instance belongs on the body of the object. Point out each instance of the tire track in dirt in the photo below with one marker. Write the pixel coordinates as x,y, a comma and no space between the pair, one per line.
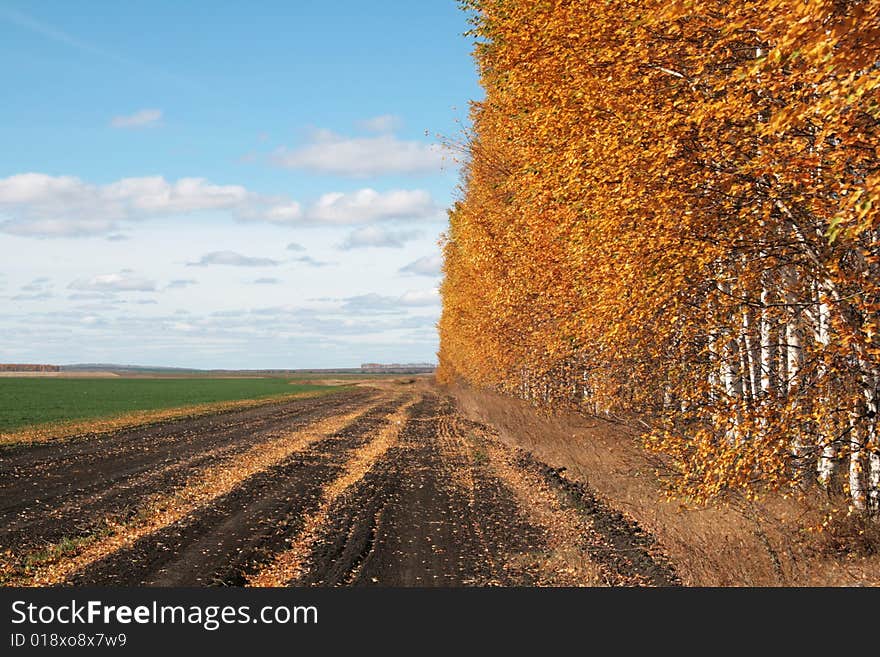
628,554
621,552
410,521
289,564
560,560
55,491
228,539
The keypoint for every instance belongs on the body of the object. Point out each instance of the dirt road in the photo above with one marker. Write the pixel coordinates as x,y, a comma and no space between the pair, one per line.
389,487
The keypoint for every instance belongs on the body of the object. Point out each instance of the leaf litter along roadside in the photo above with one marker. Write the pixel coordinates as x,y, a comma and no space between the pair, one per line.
419,496
562,561
590,543
166,509
59,431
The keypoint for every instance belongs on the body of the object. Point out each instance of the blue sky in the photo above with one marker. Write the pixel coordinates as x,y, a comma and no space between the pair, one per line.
226,184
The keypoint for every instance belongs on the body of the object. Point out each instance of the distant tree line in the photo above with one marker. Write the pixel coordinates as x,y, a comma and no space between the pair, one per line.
21,367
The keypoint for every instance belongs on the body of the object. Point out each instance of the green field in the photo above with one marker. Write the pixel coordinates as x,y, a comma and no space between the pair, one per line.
29,401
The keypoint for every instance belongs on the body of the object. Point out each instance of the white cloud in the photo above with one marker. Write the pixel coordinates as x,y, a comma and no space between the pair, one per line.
325,335
293,246
377,302
37,290
420,297
382,124
121,282
179,283
267,281
40,284
40,205
375,236
65,206
37,188
233,259
426,266
331,153
155,195
140,119
37,296
282,213
368,205
90,296
311,262
57,227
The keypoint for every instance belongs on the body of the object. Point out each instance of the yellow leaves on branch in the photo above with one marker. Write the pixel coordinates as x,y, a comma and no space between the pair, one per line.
670,208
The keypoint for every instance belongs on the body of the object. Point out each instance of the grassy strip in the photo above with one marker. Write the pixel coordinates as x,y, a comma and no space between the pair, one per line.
32,401
52,431
14,570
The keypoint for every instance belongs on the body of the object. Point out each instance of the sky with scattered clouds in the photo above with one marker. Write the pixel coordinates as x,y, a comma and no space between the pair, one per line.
227,185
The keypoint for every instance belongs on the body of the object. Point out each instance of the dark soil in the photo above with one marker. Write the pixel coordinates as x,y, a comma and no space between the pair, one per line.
628,554
430,511
67,489
221,544
406,523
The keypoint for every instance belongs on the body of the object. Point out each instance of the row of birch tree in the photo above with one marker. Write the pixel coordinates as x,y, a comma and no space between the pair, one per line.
670,209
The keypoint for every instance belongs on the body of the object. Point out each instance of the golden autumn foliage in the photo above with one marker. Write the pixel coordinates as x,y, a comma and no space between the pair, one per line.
671,209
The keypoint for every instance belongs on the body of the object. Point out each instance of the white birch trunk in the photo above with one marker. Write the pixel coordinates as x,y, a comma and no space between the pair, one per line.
794,364
874,478
872,443
713,363
745,368
733,384
827,463
856,465
767,345
794,354
781,363
794,361
752,350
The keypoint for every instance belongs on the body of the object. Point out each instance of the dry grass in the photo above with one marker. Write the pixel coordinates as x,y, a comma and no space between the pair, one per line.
849,537
766,544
